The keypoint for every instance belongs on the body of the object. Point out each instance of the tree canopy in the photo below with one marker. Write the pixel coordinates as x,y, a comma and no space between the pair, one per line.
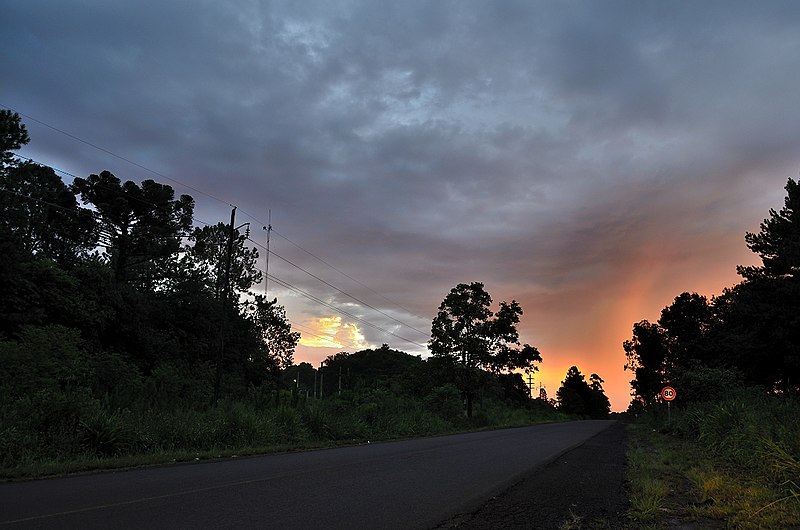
141,226
151,298
778,241
466,331
576,396
750,333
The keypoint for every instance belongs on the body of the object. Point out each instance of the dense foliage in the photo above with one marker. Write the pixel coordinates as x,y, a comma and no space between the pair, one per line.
747,336
577,397
112,302
122,326
467,332
734,361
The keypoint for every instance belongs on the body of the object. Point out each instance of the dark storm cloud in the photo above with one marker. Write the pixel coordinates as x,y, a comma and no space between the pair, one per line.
540,147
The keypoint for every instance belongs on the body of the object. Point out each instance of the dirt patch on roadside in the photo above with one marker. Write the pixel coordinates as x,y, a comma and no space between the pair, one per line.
583,488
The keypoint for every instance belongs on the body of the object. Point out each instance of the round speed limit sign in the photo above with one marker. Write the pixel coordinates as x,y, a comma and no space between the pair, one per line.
668,393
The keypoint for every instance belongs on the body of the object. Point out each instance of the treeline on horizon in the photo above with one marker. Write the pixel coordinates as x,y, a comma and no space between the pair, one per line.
734,362
749,336
157,343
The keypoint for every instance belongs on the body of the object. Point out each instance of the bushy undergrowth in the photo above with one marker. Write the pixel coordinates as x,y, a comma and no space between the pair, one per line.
748,473
749,429
78,429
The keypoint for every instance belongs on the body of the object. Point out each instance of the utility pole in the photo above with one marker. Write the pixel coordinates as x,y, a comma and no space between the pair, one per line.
268,228
225,287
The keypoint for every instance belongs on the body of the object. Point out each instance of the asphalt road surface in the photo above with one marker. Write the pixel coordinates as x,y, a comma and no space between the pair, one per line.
408,484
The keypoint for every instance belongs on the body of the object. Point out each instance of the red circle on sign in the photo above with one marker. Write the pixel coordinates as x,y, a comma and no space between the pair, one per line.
668,393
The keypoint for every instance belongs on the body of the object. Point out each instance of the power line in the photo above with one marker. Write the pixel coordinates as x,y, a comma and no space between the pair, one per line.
317,300
273,278
304,330
345,274
339,290
82,211
57,170
140,166
111,153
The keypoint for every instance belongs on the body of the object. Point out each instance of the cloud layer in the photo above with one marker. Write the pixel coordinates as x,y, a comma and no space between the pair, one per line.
591,160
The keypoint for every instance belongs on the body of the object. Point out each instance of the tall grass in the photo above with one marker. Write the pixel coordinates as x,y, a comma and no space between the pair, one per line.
750,429
96,432
751,469
646,486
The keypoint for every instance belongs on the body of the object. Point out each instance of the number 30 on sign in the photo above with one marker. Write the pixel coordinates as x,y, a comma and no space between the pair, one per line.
668,393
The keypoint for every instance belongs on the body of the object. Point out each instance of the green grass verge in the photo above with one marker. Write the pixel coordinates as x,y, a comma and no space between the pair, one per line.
680,482
103,440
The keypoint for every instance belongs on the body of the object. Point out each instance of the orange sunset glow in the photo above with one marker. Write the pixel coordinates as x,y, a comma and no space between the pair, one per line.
586,324
293,259
332,333
590,160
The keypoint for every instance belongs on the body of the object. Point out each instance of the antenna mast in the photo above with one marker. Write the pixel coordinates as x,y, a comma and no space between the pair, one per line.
268,228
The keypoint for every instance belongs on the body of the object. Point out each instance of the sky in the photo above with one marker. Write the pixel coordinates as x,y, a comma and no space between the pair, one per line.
590,160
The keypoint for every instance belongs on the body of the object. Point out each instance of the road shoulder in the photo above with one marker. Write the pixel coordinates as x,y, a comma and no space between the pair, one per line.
583,488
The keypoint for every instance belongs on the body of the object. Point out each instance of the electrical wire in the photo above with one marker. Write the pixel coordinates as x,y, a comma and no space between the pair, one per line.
275,279
339,290
345,274
317,300
111,153
140,166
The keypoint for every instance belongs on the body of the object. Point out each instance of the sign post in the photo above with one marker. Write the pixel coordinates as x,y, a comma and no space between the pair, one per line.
668,394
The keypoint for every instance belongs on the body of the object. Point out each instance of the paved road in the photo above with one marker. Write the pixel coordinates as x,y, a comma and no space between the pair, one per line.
586,484
408,484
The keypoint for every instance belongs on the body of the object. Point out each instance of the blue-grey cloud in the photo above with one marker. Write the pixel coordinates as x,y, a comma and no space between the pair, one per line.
544,148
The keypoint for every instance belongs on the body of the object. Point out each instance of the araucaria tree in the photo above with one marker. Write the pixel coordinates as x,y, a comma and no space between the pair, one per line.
140,226
763,313
468,332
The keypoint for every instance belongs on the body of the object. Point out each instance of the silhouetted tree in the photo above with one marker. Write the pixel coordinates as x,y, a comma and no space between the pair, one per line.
766,306
274,330
686,323
750,332
208,253
140,226
39,213
576,396
778,241
466,330
599,405
571,395
41,231
647,356
13,135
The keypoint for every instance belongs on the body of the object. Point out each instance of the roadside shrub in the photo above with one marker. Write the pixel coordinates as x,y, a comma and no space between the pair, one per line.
704,384
173,383
318,421
446,402
168,412
117,382
289,425
104,434
749,429
17,446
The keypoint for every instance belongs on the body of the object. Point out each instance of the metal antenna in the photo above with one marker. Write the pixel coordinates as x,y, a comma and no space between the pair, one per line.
268,228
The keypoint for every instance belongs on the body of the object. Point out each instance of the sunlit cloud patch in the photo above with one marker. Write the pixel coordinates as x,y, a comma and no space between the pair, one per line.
331,332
